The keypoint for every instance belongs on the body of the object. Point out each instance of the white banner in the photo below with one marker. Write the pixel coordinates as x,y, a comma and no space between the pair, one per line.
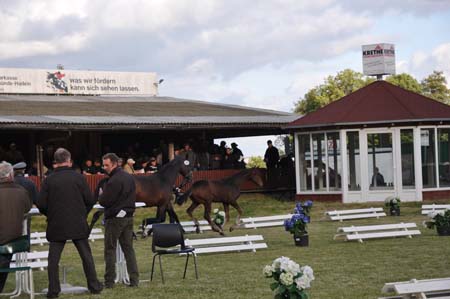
378,59
41,81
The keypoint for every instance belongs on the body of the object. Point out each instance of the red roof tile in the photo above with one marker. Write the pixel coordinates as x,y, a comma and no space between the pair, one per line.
377,102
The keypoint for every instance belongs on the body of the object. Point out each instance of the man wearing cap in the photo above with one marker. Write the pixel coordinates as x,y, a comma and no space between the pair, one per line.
19,178
14,203
129,167
65,198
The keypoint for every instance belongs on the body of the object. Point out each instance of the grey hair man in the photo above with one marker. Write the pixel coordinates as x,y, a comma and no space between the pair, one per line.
14,203
65,198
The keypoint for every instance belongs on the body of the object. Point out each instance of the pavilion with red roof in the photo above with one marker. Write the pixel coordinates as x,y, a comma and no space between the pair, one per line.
379,141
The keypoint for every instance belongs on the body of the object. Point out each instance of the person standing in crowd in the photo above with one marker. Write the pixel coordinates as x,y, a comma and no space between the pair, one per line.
19,178
223,149
129,167
238,156
98,167
14,203
271,158
14,156
215,158
188,154
228,159
152,166
118,197
66,200
88,167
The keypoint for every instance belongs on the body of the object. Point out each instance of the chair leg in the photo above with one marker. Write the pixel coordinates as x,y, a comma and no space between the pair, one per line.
185,266
31,285
153,267
195,265
160,267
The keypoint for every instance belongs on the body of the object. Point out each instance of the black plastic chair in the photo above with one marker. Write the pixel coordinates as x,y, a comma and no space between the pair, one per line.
21,244
169,239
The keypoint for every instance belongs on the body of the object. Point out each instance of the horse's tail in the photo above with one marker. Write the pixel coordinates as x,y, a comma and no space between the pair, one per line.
183,197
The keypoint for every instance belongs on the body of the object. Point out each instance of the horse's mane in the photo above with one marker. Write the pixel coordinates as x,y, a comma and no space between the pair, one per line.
169,165
237,176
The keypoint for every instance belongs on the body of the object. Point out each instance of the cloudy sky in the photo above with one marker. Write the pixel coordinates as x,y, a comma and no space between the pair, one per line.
263,54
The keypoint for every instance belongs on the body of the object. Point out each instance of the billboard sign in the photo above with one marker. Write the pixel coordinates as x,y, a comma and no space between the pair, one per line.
378,59
42,81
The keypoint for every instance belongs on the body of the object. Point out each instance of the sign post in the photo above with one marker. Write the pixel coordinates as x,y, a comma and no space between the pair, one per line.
378,60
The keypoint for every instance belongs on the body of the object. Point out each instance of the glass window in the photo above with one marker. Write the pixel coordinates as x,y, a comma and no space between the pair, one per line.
353,166
319,162
380,161
304,154
444,157
428,158
407,152
334,163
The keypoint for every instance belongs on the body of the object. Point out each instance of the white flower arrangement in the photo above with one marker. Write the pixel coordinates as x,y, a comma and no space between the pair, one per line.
291,280
219,217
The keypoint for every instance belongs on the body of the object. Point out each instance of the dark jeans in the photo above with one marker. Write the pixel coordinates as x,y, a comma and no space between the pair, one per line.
84,250
120,229
5,259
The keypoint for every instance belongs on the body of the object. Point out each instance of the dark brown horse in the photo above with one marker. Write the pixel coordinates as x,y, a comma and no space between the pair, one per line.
226,191
157,189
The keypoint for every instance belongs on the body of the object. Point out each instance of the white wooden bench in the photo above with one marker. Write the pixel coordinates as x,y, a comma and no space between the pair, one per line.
355,214
359,233
265,221
426,209
227,244
38,238
35,260
438,288
189,226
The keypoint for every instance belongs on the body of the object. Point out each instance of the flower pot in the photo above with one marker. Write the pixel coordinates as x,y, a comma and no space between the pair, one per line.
395,211
443,230
301,240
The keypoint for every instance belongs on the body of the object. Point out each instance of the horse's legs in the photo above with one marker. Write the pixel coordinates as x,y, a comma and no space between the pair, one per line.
189,211
238,218
172,215
226,208
207,216
147,223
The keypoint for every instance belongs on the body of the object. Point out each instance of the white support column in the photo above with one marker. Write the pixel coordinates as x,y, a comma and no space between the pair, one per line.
397,157
436,154
297,163
418,164
344,172
363,164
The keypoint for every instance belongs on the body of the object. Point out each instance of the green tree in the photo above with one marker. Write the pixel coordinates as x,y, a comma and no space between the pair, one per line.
405,81
256,161
333,88
435,87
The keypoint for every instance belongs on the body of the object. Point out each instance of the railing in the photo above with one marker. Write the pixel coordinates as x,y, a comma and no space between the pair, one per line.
199,175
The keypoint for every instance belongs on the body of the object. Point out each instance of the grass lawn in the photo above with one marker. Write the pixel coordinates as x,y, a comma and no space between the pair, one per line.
342,269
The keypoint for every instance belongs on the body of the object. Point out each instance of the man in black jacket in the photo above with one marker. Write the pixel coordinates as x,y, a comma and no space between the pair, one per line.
66,200
118,197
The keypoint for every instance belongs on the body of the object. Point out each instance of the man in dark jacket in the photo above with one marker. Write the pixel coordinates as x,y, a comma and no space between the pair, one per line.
14,203
66,200
118,197
271,158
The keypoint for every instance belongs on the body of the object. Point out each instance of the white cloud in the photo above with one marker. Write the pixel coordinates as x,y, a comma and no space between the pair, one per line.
422,64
